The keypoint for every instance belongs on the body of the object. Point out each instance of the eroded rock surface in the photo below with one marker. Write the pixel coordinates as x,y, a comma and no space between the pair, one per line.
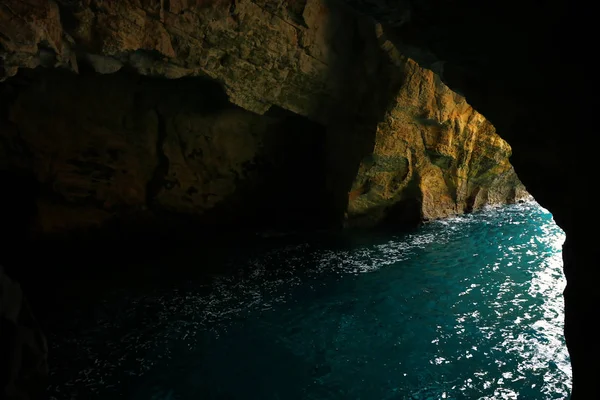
263,52
388,142
434,156
120,147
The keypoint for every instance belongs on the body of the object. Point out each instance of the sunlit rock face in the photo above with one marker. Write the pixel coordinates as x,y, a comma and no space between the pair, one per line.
381,141
434,156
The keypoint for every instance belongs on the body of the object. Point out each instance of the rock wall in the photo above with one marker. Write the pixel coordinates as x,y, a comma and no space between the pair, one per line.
125,149
434,156
388,142
120,148
263,52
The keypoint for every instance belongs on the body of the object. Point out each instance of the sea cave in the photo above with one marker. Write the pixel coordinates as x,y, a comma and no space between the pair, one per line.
296,199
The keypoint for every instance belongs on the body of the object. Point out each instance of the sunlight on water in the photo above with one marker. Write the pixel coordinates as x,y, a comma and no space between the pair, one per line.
467,308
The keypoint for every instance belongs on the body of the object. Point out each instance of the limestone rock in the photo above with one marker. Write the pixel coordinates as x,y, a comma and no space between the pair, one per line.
284,53
29,33
103,64
434,147
120,147
387,141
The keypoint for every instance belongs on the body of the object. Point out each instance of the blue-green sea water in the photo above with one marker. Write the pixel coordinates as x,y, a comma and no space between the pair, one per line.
466,308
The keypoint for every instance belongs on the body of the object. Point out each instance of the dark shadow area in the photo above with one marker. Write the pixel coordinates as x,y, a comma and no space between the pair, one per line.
19,209
365,81
77,145
112,180
188,153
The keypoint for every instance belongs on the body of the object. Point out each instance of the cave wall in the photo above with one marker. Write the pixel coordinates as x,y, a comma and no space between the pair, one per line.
434,151
263,52
127,149
367,136
122,150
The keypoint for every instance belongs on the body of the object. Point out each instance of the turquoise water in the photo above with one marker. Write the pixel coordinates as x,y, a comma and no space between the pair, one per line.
468,308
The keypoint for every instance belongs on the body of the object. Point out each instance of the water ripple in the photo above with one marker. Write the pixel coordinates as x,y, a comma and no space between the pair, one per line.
462,309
